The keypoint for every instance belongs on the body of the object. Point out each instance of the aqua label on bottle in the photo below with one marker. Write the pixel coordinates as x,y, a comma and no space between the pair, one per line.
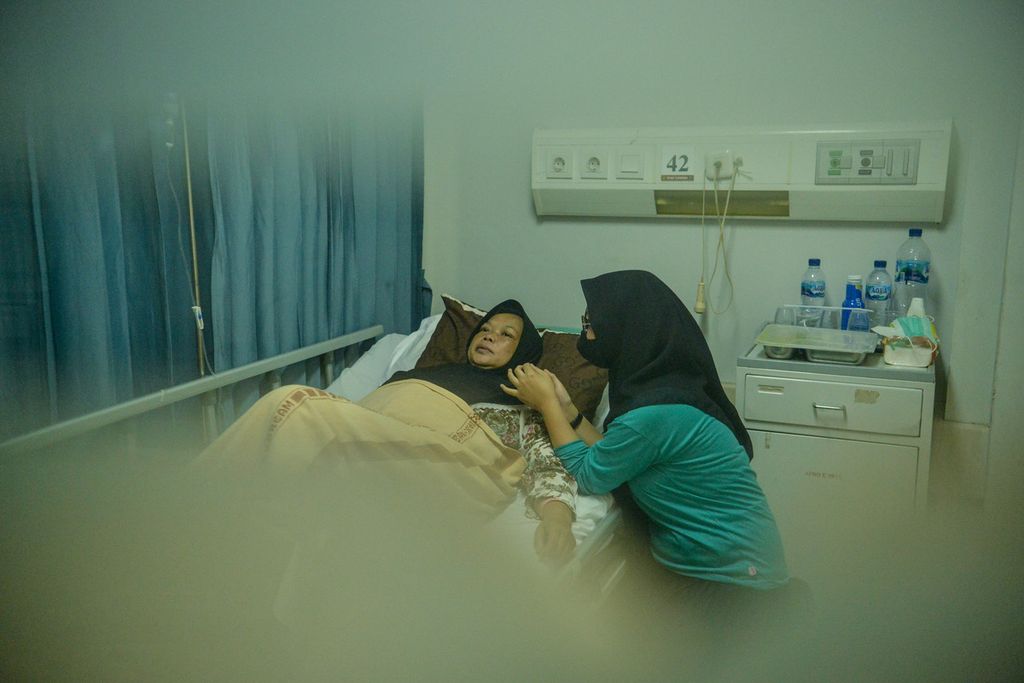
879,292
912,271
813,288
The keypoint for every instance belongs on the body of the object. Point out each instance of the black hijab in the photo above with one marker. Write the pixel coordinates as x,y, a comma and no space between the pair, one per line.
482,385
654,351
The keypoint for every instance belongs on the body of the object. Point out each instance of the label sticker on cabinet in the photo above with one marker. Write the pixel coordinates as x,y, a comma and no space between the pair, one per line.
821,475
865,396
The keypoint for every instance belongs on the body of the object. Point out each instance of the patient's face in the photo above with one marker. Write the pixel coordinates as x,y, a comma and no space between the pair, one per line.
494,344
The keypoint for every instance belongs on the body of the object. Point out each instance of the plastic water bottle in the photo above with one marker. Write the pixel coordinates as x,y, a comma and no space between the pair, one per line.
853,319
913,263
878,294
812,286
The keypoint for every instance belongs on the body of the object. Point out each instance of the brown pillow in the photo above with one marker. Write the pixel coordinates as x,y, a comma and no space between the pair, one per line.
451,336
584,381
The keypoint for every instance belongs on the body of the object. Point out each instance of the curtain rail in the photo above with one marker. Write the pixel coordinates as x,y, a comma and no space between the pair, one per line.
165,397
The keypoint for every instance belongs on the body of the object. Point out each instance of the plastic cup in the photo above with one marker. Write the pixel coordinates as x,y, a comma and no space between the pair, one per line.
860,319
809,316
831,318
784,315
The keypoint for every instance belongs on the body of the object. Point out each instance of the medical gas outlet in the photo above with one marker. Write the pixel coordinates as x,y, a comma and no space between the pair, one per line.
881,162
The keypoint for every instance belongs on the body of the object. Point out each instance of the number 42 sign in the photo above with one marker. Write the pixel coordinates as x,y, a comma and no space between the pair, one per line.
677,163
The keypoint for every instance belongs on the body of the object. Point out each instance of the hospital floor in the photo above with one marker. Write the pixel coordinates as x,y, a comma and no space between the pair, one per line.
937,598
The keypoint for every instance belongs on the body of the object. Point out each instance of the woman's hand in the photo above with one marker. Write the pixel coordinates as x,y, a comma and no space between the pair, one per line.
536,388
553,539
564,400
532,386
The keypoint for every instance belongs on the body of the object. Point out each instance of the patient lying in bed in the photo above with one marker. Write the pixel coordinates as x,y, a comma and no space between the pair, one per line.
448,428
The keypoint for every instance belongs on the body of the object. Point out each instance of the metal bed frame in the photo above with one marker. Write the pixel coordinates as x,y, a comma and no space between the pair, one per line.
207,388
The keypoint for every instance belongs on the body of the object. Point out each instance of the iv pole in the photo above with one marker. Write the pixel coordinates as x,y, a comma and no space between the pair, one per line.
197,308
208,400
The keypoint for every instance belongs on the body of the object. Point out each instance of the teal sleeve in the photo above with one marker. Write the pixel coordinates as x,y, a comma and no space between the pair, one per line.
621,455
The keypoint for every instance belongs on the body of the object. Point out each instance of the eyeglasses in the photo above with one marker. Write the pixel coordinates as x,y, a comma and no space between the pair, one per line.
585,321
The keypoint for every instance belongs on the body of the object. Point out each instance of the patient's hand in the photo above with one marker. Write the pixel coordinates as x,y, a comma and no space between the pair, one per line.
553,539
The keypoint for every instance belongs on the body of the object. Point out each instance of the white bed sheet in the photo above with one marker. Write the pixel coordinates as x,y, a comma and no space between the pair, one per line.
395,352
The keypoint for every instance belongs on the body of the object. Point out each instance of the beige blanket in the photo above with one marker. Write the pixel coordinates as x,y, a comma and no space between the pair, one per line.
408,433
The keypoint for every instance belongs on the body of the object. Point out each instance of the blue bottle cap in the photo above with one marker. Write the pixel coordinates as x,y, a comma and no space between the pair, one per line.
880,264
814,261
915,232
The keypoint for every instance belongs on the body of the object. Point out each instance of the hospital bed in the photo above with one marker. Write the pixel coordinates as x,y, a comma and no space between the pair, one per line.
598,562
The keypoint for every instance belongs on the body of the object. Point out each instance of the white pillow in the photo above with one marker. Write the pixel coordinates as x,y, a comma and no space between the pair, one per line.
367,373
388,355
411,348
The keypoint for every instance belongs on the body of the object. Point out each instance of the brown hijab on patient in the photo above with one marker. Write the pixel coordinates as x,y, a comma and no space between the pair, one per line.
483,385
653,348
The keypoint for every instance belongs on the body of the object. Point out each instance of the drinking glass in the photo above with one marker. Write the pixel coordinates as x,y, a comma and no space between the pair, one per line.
784,315
808,316
860,319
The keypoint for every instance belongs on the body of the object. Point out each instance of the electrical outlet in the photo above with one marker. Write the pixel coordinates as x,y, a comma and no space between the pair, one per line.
721,162
593,164
559,163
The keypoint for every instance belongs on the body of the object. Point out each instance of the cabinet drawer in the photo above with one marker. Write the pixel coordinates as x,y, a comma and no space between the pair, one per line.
833,405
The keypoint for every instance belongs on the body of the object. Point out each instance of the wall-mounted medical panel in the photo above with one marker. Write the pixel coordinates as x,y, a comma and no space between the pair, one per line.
877,172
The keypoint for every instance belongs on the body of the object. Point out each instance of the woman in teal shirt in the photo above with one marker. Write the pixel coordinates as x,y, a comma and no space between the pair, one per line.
672,436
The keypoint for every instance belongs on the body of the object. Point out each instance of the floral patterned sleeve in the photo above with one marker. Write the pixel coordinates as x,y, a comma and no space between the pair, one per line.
545,476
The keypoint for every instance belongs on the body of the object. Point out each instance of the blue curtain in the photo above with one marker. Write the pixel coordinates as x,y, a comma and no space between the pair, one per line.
308,225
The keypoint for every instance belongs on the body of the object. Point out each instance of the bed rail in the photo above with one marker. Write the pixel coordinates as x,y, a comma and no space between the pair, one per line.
205,387
598,564
594,543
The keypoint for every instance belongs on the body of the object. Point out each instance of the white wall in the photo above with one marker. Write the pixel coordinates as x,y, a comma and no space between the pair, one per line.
506,69
1006,466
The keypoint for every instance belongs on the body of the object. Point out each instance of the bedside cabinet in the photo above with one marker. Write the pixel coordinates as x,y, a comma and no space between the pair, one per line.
835,446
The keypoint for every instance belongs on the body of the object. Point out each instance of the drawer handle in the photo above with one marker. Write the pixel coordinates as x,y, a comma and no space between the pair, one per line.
819,406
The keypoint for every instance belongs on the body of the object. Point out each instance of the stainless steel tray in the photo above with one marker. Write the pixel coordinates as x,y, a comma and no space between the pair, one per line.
820,344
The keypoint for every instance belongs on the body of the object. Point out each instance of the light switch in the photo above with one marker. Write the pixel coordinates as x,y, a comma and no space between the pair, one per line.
901,159
631,165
